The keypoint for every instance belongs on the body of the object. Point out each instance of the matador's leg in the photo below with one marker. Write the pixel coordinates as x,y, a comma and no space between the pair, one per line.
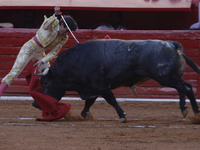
21,61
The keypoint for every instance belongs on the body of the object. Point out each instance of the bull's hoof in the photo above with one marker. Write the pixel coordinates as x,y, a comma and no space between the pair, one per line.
185,112
83,114
89,116
195,119
122,120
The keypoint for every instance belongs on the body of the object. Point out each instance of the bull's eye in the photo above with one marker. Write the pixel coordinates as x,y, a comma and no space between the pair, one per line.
45,84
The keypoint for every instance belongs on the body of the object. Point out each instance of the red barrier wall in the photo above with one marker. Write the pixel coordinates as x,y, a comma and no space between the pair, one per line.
12,39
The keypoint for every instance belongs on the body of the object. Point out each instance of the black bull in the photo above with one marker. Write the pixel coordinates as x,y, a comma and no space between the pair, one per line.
96,67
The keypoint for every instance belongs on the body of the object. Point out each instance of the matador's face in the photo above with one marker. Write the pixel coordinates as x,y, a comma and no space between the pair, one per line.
63,31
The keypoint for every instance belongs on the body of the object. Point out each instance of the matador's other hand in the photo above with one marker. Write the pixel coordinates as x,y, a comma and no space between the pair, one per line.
38,63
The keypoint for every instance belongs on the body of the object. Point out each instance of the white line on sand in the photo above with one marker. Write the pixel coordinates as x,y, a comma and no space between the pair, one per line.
98,99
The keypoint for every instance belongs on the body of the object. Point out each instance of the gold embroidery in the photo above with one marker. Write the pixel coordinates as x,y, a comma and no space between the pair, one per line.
49,40
22,59
46,33
56,45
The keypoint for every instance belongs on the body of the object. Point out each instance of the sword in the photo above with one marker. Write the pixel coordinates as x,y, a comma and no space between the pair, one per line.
68,27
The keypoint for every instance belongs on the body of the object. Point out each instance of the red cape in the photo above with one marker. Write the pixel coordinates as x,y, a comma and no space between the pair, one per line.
51,108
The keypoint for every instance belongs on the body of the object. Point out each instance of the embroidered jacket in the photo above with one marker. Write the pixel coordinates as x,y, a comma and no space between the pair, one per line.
49,37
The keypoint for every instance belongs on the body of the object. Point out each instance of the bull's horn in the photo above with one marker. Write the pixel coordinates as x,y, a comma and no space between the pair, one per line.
40,74
45,72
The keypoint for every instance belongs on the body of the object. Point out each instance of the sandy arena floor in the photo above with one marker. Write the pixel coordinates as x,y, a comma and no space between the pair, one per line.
150,126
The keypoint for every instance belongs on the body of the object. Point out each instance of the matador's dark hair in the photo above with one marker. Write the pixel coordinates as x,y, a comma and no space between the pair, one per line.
70,21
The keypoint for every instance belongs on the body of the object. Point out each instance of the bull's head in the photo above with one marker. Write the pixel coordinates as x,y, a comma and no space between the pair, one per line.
45,81
49,84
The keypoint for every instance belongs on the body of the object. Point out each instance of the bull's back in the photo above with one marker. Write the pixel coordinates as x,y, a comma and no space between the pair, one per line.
114,58
94,52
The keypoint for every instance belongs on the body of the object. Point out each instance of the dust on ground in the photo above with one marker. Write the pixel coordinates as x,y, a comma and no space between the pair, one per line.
150,126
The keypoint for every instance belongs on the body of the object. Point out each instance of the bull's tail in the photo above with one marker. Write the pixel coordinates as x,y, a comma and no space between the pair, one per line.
191,63
178,46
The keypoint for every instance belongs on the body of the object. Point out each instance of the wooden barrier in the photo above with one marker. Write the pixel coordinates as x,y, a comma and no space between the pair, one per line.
12,40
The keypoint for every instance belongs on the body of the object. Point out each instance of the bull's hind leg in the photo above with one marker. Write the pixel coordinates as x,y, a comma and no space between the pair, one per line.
85,112
180,85
110,98
190,95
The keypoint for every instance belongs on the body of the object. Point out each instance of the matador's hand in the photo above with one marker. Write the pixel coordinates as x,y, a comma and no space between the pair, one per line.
57,10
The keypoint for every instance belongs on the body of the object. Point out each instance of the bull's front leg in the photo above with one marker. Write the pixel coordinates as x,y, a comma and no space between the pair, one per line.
85,112
110,98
